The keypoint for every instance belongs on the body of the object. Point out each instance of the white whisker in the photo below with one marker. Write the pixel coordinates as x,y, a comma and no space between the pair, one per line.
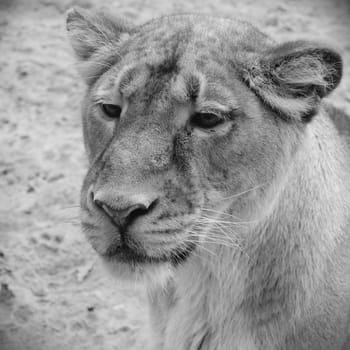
244,192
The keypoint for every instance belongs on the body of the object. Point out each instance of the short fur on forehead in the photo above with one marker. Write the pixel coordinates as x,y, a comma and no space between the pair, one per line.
290,78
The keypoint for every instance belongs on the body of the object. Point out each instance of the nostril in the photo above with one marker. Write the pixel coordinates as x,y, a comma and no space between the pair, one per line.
97,202
134,212
138,210
108,210
153,205
104,207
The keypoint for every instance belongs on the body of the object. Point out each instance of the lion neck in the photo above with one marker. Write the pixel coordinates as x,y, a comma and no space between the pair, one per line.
282,263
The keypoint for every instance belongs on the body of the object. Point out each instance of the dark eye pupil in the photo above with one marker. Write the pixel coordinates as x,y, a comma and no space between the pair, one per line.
112,111
206,120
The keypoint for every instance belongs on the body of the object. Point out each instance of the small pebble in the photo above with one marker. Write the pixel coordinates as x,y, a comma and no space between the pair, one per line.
6,294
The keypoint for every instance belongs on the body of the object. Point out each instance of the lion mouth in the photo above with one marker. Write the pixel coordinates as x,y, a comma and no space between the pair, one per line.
124,253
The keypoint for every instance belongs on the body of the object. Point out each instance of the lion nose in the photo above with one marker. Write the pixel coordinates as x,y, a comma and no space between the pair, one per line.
124,210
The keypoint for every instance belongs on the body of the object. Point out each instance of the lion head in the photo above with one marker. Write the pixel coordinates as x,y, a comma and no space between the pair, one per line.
187,118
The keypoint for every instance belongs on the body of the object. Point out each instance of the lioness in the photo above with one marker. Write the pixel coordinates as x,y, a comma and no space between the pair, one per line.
218,175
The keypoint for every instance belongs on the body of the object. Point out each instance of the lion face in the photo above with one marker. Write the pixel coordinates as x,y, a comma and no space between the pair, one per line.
177,135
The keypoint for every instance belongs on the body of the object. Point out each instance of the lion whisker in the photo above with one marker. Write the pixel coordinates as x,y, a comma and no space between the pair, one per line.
245,192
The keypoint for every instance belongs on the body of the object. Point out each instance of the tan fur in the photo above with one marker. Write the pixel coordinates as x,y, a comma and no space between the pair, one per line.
247,246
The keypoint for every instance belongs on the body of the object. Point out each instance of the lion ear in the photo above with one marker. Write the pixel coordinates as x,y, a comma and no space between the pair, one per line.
292,78
90,32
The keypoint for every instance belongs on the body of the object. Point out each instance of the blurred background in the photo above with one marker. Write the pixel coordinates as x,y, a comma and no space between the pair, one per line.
53,292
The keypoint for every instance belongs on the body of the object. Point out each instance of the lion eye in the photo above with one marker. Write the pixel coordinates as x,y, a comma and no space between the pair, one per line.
112,111
206,120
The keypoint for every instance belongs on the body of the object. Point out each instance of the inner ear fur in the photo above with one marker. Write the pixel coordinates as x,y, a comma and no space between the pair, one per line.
292,78
90,31
95,38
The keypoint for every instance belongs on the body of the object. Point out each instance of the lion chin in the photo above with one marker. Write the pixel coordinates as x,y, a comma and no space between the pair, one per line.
152,274
138,266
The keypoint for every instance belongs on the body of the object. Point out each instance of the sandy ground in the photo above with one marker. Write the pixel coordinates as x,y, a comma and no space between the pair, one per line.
53,292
